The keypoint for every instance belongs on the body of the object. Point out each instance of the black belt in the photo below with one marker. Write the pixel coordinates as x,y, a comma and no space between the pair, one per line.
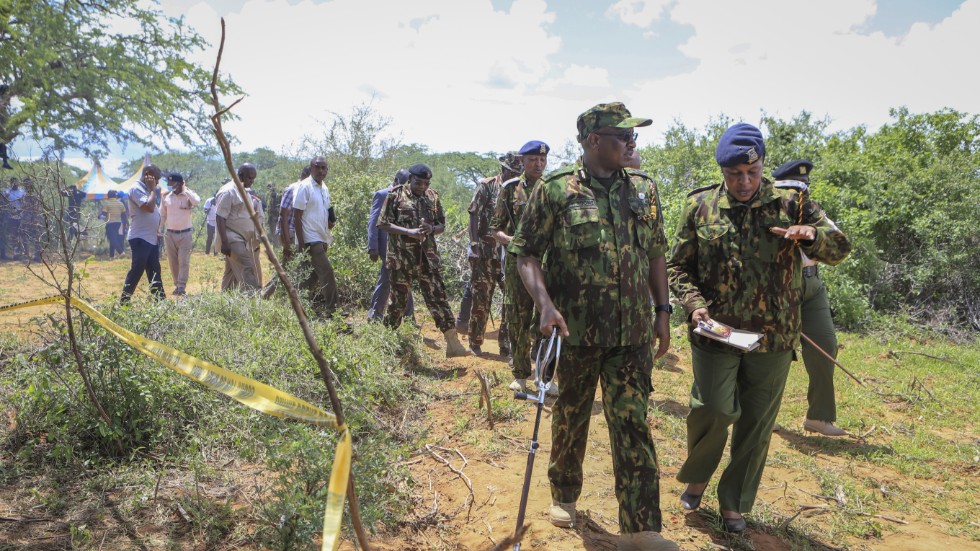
180,231
810,271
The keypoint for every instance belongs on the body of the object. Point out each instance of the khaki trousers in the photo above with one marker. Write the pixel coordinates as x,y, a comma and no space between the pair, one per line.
179,247
239,268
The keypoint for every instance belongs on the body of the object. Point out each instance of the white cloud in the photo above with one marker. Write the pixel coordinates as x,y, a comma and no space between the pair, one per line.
641,13
749,62
444,71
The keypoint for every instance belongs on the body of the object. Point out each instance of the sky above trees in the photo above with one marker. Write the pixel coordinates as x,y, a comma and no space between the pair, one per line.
488,75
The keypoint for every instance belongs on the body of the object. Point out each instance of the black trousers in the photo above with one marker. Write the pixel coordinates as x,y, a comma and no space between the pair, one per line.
146,259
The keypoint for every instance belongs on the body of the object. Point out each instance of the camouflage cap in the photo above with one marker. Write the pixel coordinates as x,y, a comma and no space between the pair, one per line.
604,115
511,161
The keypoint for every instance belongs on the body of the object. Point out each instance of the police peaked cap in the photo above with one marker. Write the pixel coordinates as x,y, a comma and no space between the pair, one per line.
791,169
741,144
534,147
420,170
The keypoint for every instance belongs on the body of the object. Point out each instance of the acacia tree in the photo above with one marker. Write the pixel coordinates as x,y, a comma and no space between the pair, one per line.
69,76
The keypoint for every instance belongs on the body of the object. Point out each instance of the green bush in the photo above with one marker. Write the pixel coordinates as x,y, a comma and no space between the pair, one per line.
156,412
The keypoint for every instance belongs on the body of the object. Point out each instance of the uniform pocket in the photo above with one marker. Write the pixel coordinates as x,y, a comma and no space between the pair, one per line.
582,229
712,231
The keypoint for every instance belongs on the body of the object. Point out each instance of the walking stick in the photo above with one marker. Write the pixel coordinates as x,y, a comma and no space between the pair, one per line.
544,372
831,358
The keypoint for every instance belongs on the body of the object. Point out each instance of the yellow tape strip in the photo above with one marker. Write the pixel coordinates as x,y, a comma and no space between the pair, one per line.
337,493
256,395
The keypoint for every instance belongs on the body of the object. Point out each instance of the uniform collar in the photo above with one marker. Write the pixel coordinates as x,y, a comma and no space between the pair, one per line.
764,196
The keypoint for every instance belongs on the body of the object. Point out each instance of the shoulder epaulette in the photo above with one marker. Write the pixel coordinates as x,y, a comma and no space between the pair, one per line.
511,182
702,189
564,171
791,184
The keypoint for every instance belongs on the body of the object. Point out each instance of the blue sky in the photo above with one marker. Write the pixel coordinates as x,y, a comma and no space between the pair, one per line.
489,75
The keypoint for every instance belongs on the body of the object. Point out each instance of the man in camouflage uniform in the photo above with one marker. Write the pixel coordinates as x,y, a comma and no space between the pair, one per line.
518,305
817,322
484,254
599,232
736,253
413,216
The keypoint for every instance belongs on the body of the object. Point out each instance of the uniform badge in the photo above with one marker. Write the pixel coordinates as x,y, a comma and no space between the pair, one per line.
642,197
752,155
544,150
802,170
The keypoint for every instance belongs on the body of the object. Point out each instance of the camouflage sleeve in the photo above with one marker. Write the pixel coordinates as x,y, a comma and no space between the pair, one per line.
831,245
499,220
438,214
535,229
388,214
660,245
682,265
479,197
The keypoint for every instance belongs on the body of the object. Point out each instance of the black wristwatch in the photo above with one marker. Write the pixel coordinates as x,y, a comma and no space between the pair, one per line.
664,308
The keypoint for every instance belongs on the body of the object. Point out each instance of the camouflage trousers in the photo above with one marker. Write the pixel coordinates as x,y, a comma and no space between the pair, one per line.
484,277
624,375
433,290
520,316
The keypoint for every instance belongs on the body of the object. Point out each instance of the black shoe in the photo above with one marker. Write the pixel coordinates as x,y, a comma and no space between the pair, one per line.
690,502
734,525
476,349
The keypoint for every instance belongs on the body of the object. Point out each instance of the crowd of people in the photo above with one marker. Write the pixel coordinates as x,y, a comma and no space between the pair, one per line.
583,252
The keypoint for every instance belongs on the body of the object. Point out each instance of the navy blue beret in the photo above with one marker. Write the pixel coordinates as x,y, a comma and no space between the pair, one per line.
534,147
420,170
792,169
741,144
401,176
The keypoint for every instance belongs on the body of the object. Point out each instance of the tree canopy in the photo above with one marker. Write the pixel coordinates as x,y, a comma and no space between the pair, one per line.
68,74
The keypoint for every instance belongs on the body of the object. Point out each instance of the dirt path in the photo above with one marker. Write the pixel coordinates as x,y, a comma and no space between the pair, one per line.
448,518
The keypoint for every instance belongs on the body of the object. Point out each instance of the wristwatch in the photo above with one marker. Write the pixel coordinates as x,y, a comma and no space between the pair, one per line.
664,308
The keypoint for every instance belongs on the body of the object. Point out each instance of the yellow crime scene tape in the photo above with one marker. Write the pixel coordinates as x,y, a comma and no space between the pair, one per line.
258,396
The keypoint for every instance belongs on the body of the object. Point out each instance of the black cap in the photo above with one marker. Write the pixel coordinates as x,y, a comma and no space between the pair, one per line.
420,170
792,169
175,177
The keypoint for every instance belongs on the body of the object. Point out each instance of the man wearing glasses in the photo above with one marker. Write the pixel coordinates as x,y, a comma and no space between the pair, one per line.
601,230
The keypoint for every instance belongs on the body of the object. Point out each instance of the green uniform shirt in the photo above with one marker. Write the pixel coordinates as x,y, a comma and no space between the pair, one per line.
403,208
510,204
597,243
725,259
483,204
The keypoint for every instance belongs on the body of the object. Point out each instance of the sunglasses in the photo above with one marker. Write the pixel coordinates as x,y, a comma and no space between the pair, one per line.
624,137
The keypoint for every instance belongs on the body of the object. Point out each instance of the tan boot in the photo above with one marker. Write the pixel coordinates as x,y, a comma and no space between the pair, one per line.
825,428
519,385
645,541
562,514
454,348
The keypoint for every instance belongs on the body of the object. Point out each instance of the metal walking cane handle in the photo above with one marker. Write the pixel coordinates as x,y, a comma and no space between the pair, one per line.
541,372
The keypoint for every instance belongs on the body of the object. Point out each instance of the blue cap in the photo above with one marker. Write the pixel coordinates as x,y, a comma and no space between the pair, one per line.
793,169
401,176
420,170
534,147
741,144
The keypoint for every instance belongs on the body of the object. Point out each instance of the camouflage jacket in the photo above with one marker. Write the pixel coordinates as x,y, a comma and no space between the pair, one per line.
596,245
510,204
403,208
725,259
482,205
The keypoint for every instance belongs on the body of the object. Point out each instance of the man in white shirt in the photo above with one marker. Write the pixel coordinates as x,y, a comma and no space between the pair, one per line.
209,214
175,216
313,218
